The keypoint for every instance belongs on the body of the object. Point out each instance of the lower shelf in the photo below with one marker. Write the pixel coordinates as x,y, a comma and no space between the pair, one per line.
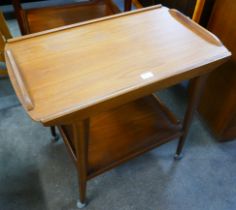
125,132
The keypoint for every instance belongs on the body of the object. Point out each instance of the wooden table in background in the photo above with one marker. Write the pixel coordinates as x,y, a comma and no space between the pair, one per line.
95,80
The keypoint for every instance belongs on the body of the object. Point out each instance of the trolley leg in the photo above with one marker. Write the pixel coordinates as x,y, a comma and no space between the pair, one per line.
81,135
196,88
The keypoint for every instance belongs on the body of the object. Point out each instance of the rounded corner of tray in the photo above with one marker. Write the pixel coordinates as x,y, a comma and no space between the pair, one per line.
195,27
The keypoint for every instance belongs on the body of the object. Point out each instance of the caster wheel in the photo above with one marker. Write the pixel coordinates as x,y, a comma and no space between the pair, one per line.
80,205
55,138
178,157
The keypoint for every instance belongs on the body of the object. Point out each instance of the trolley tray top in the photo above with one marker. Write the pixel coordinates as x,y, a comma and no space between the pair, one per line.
74,68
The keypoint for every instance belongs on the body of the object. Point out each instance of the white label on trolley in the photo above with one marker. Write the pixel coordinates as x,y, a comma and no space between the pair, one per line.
146,75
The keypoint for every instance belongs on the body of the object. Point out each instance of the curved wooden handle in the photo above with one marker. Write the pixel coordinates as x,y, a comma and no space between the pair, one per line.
20,82
194,27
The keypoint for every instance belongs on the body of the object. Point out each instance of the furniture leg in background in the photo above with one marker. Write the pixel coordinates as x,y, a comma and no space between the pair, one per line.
55,136
128,5
4,36
198,10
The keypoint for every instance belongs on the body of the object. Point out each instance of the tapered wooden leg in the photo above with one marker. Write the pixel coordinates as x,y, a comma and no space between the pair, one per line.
128,5
196,87
54,134
81,135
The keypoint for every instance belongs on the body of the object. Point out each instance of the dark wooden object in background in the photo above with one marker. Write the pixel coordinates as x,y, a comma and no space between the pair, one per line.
218,104
40,19
128,5
185,6
6,2
4,36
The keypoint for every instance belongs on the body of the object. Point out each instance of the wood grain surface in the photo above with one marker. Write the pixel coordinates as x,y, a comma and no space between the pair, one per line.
112,60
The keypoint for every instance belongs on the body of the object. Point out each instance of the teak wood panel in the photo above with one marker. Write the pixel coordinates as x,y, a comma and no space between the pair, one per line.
72,69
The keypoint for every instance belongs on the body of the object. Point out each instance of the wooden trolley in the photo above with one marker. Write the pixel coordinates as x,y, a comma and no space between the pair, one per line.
95,81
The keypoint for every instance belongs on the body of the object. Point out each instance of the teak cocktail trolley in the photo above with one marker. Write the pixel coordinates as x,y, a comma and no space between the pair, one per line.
103,105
